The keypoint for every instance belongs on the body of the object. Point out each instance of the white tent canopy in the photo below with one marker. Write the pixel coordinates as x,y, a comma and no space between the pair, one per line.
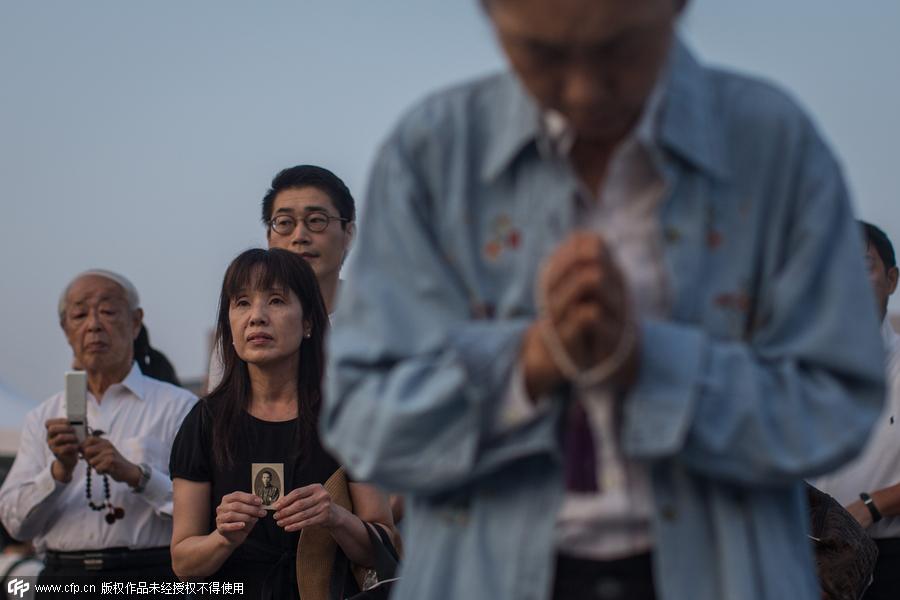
13,407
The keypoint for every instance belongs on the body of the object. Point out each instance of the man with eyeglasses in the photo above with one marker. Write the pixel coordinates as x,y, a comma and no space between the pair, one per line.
310,211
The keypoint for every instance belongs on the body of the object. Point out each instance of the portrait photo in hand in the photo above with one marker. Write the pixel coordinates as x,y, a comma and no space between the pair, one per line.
268,482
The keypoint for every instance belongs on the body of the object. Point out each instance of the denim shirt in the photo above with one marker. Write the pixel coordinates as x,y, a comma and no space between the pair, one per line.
769,369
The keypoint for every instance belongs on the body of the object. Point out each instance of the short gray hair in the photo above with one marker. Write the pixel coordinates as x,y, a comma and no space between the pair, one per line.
131,294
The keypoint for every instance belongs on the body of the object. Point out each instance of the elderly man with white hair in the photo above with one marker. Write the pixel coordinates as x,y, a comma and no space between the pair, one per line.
101,508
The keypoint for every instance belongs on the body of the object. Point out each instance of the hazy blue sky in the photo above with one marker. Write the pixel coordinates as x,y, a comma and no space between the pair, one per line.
140,136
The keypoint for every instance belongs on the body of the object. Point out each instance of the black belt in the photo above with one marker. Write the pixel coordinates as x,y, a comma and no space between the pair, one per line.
624,579
109,558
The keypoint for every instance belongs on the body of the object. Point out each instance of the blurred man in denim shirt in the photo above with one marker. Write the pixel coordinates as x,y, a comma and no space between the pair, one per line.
603,318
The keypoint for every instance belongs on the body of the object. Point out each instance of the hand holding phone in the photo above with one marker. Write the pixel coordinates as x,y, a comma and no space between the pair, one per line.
64,445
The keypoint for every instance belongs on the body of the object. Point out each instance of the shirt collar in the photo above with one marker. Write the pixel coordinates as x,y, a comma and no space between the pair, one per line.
683,120
515,125
134,381
690,124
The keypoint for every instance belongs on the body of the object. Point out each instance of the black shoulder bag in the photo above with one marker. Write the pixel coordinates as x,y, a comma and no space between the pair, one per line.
386,561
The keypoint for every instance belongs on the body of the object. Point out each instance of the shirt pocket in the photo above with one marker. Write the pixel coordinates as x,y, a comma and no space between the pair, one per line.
145,450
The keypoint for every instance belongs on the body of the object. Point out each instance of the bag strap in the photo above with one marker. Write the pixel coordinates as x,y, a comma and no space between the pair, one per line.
386,557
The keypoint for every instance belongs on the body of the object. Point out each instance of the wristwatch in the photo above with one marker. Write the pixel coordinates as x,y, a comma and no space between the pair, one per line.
146,472
870,504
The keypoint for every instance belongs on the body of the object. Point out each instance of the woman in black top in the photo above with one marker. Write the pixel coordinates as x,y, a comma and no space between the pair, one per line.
271,326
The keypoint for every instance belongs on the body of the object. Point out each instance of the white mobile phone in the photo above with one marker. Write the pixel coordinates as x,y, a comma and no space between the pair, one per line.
76,402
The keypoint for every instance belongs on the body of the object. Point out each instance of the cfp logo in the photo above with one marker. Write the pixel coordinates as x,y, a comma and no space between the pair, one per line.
17,587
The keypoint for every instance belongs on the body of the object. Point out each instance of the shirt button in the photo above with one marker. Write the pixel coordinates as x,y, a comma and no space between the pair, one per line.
668,512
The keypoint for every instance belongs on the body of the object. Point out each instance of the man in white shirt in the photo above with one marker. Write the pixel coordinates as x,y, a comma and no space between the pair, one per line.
869,487
99,510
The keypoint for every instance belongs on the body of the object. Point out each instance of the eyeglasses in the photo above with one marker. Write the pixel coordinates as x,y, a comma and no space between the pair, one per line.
316,221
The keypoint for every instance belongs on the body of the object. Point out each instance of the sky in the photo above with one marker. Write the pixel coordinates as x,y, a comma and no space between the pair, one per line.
141,136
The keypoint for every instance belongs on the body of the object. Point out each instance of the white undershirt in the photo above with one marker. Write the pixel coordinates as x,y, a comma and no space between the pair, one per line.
878,466
616,521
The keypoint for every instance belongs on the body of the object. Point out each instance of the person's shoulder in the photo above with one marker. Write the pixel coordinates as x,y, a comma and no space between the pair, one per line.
757,107
458,109
458,126
201,411
195,425
52,407
210,406
453,100
760,129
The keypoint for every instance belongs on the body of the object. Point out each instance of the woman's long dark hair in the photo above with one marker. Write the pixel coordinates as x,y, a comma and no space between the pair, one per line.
262,270
151,361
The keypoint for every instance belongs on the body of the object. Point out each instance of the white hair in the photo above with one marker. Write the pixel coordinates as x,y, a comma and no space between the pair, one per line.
131,294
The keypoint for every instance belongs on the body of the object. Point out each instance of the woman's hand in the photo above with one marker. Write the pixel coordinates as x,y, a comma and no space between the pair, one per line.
236,515
307,506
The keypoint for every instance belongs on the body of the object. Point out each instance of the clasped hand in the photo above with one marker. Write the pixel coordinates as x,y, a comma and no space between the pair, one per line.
584,298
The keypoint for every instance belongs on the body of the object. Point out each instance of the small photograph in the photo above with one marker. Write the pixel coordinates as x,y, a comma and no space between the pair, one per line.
268,482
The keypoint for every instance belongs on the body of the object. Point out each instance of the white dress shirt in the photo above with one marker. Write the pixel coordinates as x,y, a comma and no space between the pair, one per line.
615,522
140,417
878,466
216,371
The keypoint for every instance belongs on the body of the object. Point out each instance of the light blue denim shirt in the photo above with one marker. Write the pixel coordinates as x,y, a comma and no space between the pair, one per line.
769,370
